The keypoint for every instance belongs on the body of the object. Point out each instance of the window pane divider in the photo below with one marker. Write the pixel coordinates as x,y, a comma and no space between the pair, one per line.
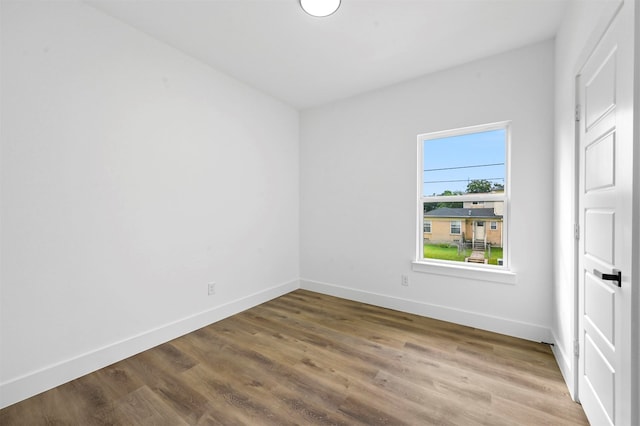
466,197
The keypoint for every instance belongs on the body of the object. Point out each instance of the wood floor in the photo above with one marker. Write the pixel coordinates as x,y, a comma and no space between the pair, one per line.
306,358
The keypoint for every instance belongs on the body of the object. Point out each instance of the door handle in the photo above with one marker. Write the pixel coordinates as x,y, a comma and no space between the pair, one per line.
616,276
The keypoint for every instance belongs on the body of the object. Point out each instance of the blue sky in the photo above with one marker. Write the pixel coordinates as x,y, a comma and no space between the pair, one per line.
458,153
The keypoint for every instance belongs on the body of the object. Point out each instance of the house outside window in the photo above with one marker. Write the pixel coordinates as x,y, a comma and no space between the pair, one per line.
463,184
455,227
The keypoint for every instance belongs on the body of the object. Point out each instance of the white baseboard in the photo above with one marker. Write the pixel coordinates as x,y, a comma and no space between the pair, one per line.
564,363
495,324
31,384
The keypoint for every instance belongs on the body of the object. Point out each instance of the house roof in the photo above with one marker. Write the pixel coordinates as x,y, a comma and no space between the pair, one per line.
486,213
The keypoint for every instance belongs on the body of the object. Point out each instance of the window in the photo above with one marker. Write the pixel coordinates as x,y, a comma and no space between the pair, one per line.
464,183
455,227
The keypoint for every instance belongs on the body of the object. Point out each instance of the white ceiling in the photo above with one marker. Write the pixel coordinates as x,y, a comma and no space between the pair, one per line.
275,47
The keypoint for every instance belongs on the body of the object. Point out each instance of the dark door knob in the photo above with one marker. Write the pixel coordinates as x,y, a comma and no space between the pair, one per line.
616,276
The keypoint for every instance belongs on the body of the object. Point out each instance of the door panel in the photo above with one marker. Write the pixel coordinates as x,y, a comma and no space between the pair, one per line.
599,307
600,93
599,226
600,163
600,376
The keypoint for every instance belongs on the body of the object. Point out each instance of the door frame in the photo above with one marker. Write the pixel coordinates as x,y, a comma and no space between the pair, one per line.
610,11
635,295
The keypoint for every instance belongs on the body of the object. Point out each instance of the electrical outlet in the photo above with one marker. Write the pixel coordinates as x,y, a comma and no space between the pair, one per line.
404,280
211,288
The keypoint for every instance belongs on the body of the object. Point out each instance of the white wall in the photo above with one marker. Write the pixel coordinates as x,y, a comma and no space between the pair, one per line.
358,191
583,22
131,176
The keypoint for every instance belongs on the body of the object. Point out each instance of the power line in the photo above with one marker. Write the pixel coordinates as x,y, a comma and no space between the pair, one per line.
464,167
461,180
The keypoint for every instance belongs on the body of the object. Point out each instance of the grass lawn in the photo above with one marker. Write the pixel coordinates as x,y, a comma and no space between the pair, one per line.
496,253
446,252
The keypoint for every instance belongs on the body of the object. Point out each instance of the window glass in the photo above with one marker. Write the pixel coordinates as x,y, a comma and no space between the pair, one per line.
466,163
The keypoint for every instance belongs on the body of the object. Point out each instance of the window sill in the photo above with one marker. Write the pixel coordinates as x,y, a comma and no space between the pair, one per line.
489,274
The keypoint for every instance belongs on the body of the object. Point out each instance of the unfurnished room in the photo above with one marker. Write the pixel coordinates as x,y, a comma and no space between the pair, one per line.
320,212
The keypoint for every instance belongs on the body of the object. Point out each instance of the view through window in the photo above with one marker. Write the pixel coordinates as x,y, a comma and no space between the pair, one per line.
463,195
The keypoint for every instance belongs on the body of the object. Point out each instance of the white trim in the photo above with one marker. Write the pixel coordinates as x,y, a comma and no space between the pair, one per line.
419,204
635,273
564,363
464,130
33,383
489,273
534,332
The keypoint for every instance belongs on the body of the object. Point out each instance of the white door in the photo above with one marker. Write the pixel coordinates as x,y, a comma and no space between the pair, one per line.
479,226
605,102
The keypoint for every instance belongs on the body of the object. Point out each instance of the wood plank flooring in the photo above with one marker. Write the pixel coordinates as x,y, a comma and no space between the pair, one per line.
310,359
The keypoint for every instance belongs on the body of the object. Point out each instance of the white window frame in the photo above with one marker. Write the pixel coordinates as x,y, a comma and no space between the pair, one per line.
493,273
459,223
430,227
493,225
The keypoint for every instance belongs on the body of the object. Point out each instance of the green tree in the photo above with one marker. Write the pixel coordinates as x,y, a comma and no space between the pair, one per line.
452,205
432,206
497,187
477,186
447,192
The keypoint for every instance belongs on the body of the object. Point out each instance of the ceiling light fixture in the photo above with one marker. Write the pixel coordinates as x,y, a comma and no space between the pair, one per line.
320,8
